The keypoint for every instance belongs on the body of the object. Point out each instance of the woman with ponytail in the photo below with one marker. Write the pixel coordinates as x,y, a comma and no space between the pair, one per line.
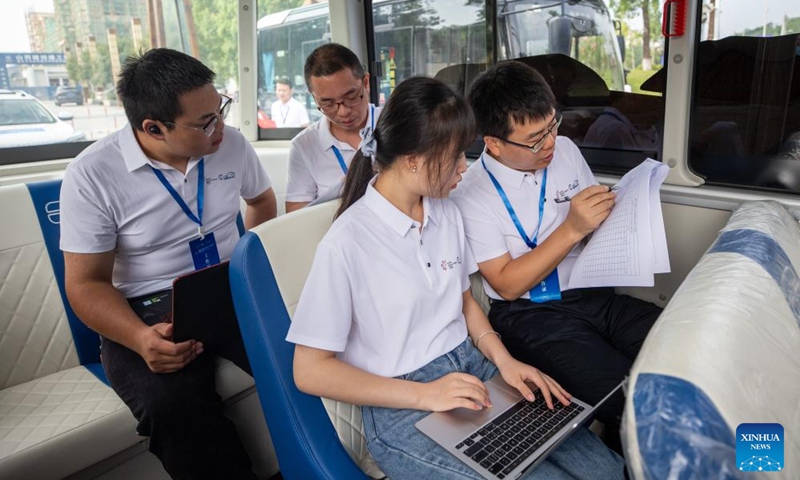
386,319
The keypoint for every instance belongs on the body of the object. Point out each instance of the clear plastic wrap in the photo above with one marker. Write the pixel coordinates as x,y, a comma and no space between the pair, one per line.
725,351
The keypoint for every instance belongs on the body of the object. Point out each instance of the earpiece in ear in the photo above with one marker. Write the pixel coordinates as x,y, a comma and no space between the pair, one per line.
153,129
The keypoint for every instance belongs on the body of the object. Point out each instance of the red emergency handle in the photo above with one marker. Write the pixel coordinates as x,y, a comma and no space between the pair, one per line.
673,22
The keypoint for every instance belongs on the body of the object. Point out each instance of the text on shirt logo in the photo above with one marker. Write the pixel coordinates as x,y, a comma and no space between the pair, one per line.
564,194
221,176
450,264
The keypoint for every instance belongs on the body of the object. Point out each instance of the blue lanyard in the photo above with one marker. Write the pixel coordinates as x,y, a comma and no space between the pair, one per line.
336,151
340,158
200,183
531,242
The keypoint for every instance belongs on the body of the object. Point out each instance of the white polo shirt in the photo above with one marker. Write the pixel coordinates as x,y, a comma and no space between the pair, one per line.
383,296
489,227
112,200
313,167
289,114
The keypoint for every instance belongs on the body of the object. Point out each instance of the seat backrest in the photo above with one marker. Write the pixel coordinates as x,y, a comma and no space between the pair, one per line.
478,292
35,337
725,351
276,161
460,76
268,270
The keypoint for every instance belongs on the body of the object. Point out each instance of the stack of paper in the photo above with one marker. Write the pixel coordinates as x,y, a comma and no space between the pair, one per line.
630,246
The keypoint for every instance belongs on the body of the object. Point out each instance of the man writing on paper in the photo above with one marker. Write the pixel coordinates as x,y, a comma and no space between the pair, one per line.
528,203
152,201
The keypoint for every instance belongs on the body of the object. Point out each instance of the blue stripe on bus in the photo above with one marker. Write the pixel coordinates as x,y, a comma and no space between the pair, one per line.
45,196
676,421
764,250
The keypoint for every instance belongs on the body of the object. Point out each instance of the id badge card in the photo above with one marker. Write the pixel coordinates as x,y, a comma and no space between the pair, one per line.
204,251
548,289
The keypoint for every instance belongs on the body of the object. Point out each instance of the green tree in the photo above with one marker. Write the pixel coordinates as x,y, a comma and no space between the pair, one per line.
101,71
710,14
73,68
651,22
266,7
85,68
216,22
217,32
790,25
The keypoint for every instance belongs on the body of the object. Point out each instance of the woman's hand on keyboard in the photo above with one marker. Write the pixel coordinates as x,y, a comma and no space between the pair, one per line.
516,374
454,390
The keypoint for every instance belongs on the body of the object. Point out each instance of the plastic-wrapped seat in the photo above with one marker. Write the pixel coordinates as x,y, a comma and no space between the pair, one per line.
726,351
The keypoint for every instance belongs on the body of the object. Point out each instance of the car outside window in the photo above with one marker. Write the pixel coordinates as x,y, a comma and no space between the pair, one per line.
68,53
25,121
68,95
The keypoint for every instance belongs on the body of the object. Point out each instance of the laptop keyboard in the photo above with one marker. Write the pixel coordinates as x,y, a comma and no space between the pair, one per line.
503,444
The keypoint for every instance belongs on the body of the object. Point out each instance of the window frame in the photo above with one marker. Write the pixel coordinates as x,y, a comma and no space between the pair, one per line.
41,153
693,112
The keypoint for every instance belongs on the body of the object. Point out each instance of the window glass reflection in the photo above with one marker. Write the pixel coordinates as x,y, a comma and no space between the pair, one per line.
745,122
288,31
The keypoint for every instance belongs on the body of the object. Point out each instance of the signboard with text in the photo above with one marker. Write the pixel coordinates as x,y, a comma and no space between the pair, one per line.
15,58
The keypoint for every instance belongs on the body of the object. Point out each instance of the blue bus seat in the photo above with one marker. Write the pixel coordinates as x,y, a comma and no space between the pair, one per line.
46,201
307,445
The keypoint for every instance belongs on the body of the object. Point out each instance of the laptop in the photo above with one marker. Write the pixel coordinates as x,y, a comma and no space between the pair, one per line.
510,438
199,306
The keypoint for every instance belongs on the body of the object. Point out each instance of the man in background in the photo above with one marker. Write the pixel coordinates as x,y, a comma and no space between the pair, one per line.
287,112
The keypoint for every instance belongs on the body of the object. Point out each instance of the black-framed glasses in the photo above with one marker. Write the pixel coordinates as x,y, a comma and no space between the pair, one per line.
350,102
208,128
540,143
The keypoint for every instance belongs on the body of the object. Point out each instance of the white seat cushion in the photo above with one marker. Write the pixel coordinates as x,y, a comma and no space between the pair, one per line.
56,417
61,423
276,161
35,338
231,380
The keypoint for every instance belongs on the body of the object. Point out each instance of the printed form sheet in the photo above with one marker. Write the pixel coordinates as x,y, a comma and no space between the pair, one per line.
631,245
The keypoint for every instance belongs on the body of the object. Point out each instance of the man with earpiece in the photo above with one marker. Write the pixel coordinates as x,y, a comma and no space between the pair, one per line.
151,202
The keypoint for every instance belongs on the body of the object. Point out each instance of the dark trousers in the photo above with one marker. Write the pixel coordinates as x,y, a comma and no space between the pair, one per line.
181,412
587,342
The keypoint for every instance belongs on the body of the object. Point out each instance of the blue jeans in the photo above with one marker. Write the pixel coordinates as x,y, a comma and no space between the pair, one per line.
403,452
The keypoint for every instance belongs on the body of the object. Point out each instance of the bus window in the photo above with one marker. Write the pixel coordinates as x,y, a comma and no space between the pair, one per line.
61,59
577,47
285,39
415,37
573,43
745,120
581,30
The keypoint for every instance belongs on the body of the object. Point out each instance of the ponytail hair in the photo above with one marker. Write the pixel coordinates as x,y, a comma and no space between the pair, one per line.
423,117
355,183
